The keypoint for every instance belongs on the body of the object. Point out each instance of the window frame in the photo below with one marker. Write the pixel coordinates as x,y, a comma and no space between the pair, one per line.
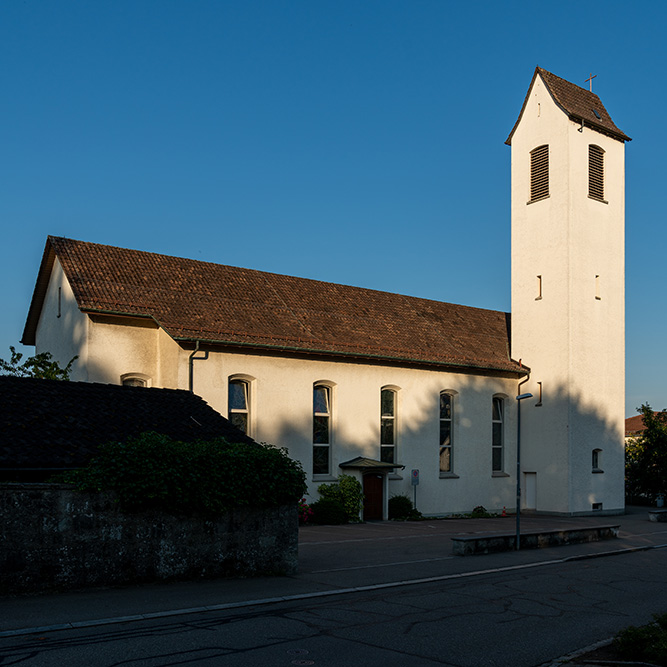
135,380
234,412
318,417
498,434
388,449
596,460
448,420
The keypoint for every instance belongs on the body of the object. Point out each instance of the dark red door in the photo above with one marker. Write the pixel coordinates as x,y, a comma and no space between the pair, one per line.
373,497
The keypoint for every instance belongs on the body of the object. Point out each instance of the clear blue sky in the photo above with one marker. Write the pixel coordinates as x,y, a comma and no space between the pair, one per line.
352,141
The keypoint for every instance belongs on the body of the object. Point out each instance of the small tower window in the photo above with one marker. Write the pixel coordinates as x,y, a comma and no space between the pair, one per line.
595,172
539,173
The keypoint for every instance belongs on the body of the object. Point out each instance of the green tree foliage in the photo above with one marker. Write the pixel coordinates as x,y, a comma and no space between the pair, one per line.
646,456
41,366
348,492
153,471
329,512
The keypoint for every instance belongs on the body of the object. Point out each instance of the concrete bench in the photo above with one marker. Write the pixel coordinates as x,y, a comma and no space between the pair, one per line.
487,544
657,515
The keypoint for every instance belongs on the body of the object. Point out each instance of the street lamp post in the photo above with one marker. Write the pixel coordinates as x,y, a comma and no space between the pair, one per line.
519,398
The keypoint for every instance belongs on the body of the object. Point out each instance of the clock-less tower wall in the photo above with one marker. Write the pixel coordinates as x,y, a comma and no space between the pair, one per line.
568,302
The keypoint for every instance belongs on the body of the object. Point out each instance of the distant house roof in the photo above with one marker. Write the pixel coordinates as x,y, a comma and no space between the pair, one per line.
225,305
634,425
579,104
50,424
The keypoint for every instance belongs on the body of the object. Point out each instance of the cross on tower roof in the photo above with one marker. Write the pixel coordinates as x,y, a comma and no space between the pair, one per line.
590,81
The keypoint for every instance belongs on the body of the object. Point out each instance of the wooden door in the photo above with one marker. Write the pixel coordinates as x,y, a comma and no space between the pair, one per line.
373,499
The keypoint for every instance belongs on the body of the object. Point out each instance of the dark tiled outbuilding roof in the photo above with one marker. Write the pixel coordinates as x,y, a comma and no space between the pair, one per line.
579,104
53,424
231,306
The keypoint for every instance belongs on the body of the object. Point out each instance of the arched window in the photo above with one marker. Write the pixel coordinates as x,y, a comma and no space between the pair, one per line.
595,172
388,425
597,460
446,431
321,429
498,435
238,404
539,173
135,380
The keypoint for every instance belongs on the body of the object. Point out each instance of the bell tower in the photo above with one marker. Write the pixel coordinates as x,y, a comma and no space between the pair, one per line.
568,300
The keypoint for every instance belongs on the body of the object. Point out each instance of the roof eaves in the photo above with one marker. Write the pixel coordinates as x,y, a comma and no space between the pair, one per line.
511,366
508,141
39,293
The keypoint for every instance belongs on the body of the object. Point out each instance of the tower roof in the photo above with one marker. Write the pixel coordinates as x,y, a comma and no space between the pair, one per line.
580,105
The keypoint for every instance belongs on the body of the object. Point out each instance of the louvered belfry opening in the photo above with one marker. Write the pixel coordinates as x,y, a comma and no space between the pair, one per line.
595,172
539,173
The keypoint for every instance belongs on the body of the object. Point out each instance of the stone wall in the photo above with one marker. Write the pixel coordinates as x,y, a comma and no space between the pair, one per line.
54,538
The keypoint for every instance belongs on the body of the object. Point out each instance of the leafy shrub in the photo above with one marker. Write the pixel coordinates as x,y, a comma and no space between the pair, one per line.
329,511
348,492
480,512
153,471
401,509
648,643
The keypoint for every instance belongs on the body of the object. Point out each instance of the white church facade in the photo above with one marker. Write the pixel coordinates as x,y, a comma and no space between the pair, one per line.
380,385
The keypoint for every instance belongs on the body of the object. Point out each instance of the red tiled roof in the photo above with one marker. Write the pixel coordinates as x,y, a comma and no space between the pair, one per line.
634,425
195,300
577,102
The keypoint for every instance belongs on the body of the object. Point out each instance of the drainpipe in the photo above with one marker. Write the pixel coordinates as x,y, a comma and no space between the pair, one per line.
191,360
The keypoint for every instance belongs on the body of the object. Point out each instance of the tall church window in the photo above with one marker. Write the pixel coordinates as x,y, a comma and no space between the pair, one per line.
539,173
498,434
595,172
446,432
238,404
388,426
321,429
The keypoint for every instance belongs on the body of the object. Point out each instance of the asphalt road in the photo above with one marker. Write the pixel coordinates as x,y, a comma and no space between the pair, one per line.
511,617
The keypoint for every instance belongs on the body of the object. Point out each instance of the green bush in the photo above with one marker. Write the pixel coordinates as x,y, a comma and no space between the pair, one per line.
328,511
348,492
480,512
401,509
205,477
648,643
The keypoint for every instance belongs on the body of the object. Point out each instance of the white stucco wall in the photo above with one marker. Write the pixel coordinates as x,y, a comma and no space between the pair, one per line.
62,329
573,341
281,413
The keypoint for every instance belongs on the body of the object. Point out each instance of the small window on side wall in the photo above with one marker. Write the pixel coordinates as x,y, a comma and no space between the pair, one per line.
597,460
239,404
134,380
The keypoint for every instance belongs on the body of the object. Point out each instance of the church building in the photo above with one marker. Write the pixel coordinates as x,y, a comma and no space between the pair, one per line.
411,396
